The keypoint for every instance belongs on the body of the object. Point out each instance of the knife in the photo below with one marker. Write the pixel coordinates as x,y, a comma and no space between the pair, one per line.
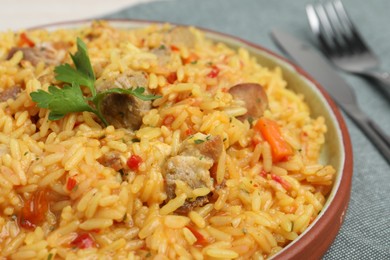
315,65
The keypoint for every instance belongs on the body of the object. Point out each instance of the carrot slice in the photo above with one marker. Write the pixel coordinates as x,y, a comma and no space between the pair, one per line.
191,58
270,131
25,40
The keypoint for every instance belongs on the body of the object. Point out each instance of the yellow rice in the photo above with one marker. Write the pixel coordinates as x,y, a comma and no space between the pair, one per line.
252,215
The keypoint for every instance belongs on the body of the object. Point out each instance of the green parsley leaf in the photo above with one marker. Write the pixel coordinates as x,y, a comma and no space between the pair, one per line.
138,92
70,75
198,141
61,101
83,73
81,60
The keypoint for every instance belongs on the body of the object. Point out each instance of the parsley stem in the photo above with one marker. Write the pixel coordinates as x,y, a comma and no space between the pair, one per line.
101,117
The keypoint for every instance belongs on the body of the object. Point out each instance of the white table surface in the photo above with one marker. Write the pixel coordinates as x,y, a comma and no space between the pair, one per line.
21,14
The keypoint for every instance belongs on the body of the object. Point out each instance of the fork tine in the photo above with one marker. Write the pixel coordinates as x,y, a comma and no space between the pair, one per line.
338,34
315,25
328,35
350,32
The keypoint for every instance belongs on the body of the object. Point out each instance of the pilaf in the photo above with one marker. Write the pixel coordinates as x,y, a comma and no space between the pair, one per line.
223,163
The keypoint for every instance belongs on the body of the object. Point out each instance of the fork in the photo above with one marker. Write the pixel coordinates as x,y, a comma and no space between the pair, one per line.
341,42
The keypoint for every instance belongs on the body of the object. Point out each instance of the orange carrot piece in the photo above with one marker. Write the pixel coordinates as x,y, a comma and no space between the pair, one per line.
270,131
191,58
25,40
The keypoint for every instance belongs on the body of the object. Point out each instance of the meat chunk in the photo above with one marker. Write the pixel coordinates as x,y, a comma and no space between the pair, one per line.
176,37
181,36
163,54
254,98
190,205
211,148
49,53
122,110
208,146
112,160
192,170
11,92
192,166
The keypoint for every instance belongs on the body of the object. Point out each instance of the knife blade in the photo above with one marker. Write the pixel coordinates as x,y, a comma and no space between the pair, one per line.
316,66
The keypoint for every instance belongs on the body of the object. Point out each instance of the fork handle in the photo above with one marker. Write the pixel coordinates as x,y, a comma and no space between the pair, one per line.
378,137
382,77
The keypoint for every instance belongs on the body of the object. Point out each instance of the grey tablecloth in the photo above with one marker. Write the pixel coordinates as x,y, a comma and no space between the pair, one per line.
365,233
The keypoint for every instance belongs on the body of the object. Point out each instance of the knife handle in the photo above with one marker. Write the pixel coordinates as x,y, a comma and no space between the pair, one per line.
377,136
383,78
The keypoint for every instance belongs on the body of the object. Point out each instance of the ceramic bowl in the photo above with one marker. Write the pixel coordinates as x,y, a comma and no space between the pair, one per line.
337,151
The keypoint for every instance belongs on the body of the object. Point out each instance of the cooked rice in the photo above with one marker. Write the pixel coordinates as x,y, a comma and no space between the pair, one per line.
252,214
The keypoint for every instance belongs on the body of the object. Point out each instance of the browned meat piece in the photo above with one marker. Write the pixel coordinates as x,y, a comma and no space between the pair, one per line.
192,166
254,97
211,148
190,205
121,110
112,160
51,54
175,38
163,54
11,92
181,36
194,171
125,81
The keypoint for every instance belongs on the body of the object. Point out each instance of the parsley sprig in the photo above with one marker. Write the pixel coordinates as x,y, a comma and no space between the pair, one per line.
70,98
